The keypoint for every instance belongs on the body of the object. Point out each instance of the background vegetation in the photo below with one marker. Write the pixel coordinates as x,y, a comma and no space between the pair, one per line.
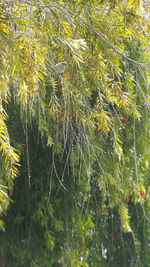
75,147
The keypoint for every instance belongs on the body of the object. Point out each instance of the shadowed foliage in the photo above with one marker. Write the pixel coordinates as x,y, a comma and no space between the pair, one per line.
74,138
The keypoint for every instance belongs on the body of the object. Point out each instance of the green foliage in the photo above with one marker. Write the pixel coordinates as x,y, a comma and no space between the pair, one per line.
81,197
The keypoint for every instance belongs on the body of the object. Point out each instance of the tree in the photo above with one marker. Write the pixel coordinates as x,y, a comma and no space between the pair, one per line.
82,137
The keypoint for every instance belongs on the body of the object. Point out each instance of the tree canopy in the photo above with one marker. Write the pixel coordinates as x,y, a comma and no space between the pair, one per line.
75,146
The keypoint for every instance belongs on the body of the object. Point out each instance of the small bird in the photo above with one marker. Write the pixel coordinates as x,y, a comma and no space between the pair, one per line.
60,67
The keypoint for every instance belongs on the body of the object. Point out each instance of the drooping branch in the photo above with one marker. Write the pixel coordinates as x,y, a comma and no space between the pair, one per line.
97,32
101,36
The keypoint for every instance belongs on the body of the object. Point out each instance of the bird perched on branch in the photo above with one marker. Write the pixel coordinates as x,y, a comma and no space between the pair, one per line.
60,67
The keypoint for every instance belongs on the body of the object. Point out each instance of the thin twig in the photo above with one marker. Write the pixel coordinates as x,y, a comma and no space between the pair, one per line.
97,32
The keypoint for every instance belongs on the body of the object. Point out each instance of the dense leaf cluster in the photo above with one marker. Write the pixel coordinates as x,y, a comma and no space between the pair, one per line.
78,141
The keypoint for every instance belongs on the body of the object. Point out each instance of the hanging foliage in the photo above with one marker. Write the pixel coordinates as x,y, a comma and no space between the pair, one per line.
74,130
